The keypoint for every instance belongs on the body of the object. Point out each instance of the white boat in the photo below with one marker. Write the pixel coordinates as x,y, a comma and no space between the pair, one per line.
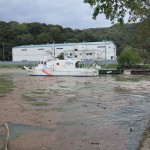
57,67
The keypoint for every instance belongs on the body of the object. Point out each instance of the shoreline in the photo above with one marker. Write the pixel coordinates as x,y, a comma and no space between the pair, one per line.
145,142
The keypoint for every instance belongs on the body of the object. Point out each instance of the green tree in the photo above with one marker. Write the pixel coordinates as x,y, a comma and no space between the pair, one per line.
44,38
129,57
114,9
61,56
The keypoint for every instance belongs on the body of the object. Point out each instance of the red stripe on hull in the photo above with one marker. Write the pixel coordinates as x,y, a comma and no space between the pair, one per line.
46,72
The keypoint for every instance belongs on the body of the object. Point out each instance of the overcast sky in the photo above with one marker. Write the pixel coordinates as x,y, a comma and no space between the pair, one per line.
67,13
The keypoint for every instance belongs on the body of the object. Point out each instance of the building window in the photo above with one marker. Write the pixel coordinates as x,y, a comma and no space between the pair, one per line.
40,48
24,49
59,48
100,46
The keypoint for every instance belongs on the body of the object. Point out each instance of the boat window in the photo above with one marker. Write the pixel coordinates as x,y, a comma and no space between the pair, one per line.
88,53
71,54
76,56
112,57
75,49
57,64
44,63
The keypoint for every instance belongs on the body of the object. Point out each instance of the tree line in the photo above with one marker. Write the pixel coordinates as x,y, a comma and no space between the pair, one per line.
14,34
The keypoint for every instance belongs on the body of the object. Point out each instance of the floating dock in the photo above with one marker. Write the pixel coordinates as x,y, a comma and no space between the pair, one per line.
111,71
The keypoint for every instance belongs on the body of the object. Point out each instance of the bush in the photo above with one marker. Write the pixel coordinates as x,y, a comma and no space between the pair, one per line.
129,57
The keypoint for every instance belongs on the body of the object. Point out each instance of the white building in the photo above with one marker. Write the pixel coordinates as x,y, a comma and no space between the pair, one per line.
86,50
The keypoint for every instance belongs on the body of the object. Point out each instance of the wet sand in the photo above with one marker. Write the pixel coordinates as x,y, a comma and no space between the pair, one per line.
66,113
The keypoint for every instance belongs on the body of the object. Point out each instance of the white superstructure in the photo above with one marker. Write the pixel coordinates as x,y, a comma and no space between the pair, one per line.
85,50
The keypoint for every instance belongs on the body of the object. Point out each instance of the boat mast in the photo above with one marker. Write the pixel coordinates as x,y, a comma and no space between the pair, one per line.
54,49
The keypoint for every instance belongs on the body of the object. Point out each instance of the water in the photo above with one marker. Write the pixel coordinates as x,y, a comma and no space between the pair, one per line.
106,112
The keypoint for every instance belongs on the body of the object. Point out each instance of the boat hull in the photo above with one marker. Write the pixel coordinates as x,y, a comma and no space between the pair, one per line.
79,73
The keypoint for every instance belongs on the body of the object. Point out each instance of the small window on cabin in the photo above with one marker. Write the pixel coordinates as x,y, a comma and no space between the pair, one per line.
75,49
71,54
44,63
88,53
76,56
57,64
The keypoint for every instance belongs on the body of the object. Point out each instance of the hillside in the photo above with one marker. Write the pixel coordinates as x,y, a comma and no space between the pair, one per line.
15,34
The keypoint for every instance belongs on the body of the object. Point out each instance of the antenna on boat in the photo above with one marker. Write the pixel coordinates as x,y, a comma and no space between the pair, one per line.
54,48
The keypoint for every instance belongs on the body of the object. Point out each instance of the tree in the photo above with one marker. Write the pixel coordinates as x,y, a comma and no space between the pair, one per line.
61,56
44,38
114,9
129,57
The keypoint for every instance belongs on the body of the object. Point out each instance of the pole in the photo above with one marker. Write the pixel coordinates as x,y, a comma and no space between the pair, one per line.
54,49
105,51
3,52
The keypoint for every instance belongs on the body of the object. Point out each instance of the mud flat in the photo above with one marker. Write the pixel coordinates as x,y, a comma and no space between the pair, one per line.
66,113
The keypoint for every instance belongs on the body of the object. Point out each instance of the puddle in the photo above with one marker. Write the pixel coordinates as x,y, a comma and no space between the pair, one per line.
18,130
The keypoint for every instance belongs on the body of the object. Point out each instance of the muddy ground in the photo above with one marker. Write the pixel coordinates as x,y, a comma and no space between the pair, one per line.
67,113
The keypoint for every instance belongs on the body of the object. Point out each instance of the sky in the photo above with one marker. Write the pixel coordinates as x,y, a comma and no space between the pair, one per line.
74,14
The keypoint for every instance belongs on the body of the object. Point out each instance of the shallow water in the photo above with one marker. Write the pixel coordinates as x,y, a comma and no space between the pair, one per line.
109,112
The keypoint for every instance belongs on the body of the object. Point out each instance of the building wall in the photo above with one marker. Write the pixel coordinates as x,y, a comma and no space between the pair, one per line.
93,51
85,50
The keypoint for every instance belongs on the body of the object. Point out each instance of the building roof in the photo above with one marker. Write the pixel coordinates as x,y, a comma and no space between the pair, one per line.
63,44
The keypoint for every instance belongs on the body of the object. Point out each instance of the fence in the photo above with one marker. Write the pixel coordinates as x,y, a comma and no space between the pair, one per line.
17,63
